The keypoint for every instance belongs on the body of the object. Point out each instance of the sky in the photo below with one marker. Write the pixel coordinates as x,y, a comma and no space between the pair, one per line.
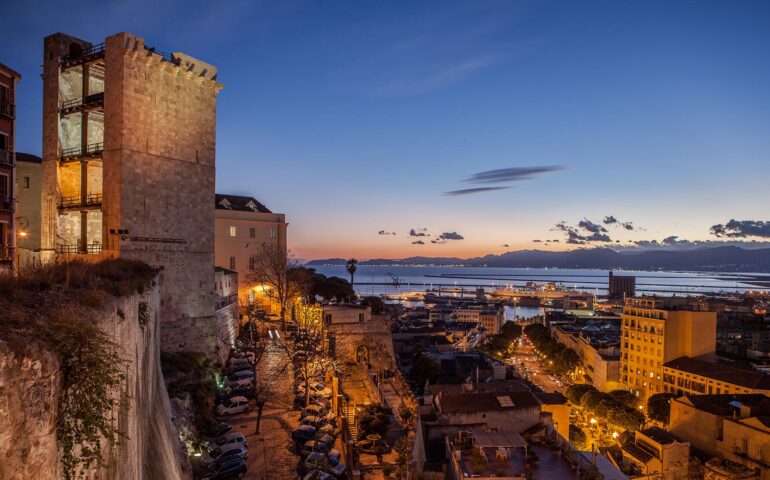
484,126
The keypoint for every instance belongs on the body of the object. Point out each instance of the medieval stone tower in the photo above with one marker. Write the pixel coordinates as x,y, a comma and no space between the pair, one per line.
128,169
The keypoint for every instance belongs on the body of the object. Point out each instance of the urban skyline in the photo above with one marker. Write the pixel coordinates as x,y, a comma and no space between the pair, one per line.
377,117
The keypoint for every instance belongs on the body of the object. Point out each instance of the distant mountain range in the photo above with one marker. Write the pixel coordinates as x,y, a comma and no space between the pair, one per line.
720,259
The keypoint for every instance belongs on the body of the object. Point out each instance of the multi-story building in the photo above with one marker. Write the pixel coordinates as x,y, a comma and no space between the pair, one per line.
489,316
735,428
128,169
621,286
686,375
29,181
8,80
600,358
656,453
657,330
242,226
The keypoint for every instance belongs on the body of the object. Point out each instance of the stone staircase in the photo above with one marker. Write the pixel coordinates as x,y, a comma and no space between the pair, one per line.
350,416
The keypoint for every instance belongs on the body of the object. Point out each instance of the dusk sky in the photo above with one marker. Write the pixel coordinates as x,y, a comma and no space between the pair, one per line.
360,117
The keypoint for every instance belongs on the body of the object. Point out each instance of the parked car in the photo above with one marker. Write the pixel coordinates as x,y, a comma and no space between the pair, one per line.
238,363
327,439
231,468
326,430
303,433
337,469
315,461
317,475
334,455
233,405
240,375
315,421
233,450
313,410
247,392
219,429
227,439
312,446
243,382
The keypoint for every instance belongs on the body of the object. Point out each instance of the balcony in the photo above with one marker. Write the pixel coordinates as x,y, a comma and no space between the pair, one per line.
80,202
89,54
75,154
7,204
91,249
7,109
82,104
7,158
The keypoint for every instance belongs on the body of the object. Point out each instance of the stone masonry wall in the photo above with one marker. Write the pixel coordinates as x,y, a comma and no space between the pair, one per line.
29,388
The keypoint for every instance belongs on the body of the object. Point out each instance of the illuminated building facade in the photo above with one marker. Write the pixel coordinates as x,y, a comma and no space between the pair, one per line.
656,330
8,80
129,168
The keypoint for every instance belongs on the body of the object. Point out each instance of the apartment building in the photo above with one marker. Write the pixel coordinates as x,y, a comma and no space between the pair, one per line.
242,226
687,375
8,80
656,330
129,166
733,428
656,453
489,316
29,182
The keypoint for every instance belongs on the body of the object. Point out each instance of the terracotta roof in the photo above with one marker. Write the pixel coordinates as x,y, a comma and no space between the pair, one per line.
720,404
239,203
481,402
10,71
722,372
659,435
27,157
554,398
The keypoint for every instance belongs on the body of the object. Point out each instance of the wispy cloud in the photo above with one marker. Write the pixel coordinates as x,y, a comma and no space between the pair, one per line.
513,174
418,242
469,191
419,232
440,76
385,232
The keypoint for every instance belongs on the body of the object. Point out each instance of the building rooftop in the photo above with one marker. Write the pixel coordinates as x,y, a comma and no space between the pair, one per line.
239,203
722,372
554,398
28,157
454,403
659,435
10,71
725,405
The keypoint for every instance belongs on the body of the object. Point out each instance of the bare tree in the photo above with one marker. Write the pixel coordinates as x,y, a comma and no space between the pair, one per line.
306,350
280,273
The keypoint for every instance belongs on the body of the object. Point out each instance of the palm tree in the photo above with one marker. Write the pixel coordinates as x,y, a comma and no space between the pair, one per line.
351,267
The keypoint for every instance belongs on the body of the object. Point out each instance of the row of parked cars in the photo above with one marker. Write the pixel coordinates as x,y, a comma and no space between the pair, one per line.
227,451
318,427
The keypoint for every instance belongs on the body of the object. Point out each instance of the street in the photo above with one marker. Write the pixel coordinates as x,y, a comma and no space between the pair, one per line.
529,367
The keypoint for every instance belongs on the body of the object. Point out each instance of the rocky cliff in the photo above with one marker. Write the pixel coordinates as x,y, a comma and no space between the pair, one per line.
31,382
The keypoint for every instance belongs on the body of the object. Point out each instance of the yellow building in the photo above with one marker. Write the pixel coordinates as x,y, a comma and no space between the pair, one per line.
242,225
686,375
656,454
657,330
732,427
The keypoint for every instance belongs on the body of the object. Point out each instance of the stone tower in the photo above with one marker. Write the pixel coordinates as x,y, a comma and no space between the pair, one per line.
128,169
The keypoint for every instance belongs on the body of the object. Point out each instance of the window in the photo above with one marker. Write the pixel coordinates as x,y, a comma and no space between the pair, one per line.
232,262
273,233
25,184
233,231
4,190
360,318
252,263
252,232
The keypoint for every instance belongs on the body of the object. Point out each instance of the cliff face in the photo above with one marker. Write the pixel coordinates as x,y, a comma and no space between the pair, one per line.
29,388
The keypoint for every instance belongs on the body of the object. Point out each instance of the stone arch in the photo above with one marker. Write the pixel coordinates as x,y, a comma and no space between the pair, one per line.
362,354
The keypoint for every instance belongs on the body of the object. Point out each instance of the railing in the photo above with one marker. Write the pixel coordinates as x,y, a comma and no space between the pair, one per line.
7,203
93,149
227,301
7,158
76,201
91,249
7,109
75,103
86,53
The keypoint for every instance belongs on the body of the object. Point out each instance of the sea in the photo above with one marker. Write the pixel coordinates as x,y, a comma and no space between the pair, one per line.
394,279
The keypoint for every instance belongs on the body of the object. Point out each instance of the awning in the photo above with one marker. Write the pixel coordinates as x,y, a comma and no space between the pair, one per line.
504,439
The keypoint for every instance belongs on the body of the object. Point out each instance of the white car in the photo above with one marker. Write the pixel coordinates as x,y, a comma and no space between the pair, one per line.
233,405
229,438
233,450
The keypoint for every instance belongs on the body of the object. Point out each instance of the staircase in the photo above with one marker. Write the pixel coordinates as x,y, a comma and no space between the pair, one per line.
350,416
